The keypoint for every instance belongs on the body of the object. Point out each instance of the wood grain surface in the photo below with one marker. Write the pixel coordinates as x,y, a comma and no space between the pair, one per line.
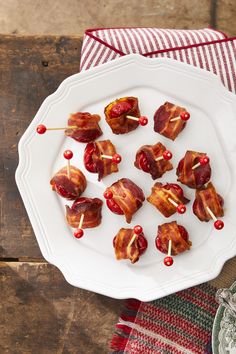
31,68
40,312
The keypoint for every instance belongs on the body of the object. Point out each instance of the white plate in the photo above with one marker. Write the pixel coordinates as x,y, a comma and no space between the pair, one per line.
89,262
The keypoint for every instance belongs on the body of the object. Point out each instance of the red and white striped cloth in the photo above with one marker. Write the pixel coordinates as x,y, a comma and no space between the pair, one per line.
206,48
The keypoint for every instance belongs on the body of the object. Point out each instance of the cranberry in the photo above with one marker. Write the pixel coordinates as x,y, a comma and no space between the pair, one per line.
41,129
143,163
219,224
114,207
120,108
68,154
168,261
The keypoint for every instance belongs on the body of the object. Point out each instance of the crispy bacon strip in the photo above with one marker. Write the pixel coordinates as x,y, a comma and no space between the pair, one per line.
128,196
69,188
193,178
117,111
123,248
88,127
161,193
102,166
156,168
90,207
162,123
171,231
208,197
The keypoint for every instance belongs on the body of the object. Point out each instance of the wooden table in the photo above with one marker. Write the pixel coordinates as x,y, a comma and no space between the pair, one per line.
39,311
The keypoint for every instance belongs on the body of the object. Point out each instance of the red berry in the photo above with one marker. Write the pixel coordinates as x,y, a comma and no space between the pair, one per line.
183,232
116,158
143,120
142,244
143,162
89,163
175,186
159,245
204,160
78,233
114,207
138,229
68,154
108,194
219,224
41,129
167,155
168,261
181,208
185,116
120,108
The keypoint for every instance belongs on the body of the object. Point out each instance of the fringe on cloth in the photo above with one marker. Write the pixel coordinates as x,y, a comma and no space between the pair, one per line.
176,324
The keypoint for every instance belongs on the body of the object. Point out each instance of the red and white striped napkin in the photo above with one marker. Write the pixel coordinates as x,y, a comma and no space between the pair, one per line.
206,48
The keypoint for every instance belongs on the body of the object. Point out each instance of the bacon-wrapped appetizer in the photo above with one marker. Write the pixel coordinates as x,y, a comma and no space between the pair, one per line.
153,159
90,208
208,202
194,169
124,197
170,120
177,234
123,115
130,244
101,157
69,187
168,198
88,127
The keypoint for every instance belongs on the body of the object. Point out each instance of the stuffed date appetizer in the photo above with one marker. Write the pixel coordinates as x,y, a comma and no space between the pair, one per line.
208,205
170,120
89,207
153,159
130,244
69,187
124,197
177,234
123,115
168,198
85,127
100,157
194,169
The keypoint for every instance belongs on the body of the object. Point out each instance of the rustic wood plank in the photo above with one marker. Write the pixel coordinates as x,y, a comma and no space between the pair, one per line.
226,15
41,313
73,17
31,68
